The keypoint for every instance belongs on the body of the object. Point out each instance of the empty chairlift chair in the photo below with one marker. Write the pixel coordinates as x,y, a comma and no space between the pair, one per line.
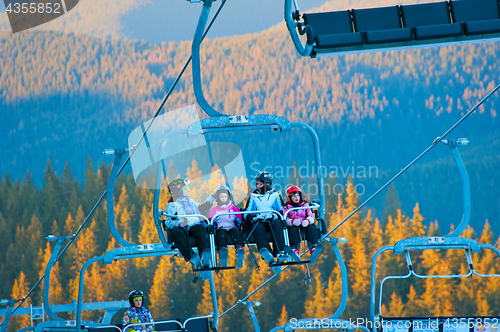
381,25
430,20
477,16
333,29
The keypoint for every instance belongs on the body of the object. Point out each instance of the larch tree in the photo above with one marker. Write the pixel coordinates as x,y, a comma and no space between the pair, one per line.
283,317
395,307
56,292
392,204
360,284
84,250
20,290
159,293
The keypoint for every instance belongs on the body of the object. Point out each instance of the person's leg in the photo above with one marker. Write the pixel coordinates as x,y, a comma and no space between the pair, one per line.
181,241
260,236
277,228
237,237
312,235
293,236
221,238
199,232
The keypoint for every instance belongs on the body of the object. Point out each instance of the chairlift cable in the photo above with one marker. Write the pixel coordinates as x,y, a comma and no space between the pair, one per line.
73,238
436,141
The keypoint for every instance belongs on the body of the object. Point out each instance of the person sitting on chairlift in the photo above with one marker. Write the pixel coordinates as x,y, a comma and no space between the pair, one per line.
261,199
298,220
181,204
137,313
227,225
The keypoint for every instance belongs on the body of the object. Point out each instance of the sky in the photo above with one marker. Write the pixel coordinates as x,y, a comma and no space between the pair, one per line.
175,20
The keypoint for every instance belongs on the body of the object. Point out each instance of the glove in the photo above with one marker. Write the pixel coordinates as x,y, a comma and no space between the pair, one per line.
237,222
305,223
296,222
184,222
258,218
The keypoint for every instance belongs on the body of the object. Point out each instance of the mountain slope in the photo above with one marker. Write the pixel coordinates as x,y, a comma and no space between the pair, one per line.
64,97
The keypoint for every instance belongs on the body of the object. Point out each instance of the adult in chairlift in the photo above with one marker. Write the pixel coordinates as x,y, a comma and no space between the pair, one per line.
265,198
182,227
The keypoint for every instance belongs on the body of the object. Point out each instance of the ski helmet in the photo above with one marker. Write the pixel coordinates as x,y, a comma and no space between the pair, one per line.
220,190
292,190
134,294
177,186
266,178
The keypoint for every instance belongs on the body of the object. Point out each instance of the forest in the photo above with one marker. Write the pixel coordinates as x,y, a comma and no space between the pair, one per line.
65,97
28,214
81,95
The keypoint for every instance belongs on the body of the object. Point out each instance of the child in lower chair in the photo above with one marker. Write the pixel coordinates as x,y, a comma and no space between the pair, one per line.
300,219
227,226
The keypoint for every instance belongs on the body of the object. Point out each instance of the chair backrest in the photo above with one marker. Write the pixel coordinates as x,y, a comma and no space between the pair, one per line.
198,325
474,10
425,14
330,23
372,19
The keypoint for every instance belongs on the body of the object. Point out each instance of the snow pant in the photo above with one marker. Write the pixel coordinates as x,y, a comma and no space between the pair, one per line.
222,237
311,232
180,236
260,235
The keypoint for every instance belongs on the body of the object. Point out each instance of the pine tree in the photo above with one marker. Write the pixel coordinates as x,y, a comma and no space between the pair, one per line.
283,317
85,249
19,291
172,172
146,266
396,307
56,293
314,306
159,292
52,198
240,190
360,284
392,204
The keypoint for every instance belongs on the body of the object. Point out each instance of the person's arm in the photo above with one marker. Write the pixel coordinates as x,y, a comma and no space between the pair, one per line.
289,220
151,327
277,205
126,319
250,207
207,204
237,217
169,221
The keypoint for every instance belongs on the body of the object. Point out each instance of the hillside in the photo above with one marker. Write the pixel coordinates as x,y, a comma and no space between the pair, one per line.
67,96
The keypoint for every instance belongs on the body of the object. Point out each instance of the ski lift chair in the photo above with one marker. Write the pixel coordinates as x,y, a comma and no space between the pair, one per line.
447,242
394,27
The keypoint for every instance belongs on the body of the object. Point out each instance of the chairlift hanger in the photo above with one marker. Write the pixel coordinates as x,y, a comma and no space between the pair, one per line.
393,27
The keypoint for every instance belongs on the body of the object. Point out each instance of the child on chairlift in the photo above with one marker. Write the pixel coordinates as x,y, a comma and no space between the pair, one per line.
298,220
181,204
227,226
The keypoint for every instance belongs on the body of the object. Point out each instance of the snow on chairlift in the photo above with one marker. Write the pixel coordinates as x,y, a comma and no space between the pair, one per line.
393,27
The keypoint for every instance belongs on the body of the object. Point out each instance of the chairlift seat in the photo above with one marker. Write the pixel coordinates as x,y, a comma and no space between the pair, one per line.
381,25
430,20
199,325
333,29
477,16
